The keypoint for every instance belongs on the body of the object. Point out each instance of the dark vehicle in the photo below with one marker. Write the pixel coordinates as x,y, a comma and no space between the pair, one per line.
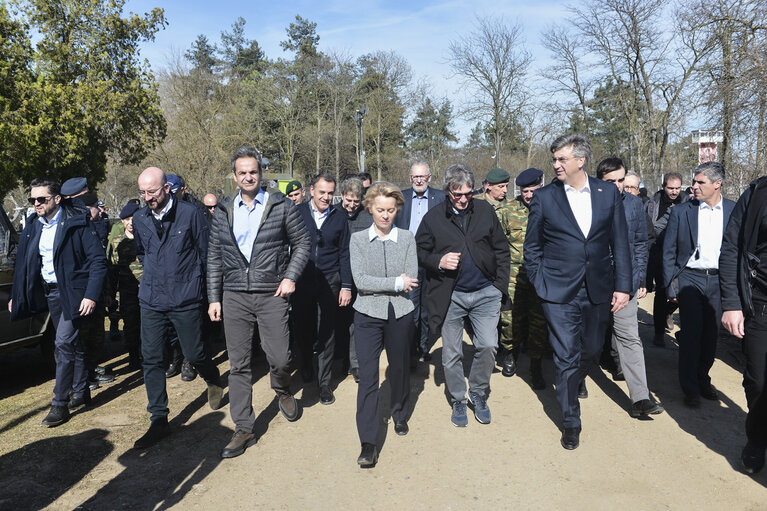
33,331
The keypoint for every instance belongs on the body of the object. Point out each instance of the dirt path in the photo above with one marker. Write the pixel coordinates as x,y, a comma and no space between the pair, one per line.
681,459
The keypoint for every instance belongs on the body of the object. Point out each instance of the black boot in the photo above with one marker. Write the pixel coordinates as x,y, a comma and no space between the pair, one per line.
536,374
175,362
510,364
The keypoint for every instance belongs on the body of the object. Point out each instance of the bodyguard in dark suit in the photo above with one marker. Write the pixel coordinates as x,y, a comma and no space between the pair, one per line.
577,258
691,274
419,199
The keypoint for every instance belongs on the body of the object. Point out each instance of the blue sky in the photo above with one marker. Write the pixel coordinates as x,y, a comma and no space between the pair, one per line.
419,31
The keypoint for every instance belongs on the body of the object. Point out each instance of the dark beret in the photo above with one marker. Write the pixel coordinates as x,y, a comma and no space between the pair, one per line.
89,199
128,210
497,175
528,177
292,187
74,186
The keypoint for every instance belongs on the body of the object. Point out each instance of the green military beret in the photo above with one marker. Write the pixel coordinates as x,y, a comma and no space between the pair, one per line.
292,187
497,175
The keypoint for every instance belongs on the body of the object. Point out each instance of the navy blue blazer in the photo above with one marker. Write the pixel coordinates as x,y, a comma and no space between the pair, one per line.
558,258
402,220
681,237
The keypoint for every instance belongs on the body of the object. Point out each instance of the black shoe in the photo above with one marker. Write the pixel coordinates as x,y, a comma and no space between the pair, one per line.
57,416
618,375
752,458
369,456
158,430
692,400
583,392
326,395
174,368
659,340
95,378
355,372
536,374
106,373
237,445
401,428
77,402
645,407
188,372
709,393
571,438
509,365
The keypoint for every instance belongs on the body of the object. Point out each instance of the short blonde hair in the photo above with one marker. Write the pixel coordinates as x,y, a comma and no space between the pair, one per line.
383,189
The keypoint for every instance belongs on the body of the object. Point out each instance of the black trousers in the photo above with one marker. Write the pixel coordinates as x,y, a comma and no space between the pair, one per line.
755,350
420,314
315,304
372,336
700,311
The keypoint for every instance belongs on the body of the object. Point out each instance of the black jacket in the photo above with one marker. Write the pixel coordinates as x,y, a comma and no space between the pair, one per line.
330,244
280,250
737,262
78,258
440,232
174,263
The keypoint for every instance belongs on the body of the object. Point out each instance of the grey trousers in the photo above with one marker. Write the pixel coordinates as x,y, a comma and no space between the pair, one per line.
483,308
241,311
630,351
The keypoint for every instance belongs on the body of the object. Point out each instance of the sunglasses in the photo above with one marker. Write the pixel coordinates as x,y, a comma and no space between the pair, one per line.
459,195
39,200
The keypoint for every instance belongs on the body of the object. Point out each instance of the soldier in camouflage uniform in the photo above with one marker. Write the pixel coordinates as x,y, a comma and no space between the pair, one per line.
525,322
126,272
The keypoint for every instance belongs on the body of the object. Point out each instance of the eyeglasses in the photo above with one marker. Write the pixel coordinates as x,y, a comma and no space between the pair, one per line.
211,207
39,200
563,159
151,193
420,178
616,181
630,187
459,195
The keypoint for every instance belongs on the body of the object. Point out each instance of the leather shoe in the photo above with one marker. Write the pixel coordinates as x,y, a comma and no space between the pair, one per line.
752,458
368,456
57,416
709,393
174,368
158,430
536,374
188,372
77,402
240,441
401,428
618,375
355,374
571,438
326,395
288,407
583,392
692,401
645,407
509,365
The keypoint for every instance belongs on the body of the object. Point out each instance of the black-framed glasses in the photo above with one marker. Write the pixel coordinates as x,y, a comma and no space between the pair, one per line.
211,207
39,200
457,195
631,187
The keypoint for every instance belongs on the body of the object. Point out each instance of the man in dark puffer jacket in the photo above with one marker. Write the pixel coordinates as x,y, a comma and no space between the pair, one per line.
258,248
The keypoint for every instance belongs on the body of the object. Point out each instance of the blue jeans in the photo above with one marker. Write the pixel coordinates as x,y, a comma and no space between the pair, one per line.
483,308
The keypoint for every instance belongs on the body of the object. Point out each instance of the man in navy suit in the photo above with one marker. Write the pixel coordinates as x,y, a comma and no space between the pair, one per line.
691,274
418,200
577,258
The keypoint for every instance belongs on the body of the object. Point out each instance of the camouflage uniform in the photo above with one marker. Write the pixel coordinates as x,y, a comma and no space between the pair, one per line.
525,322
125,273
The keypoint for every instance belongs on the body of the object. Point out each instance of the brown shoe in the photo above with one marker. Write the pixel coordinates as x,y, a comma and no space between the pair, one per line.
237,445
288,407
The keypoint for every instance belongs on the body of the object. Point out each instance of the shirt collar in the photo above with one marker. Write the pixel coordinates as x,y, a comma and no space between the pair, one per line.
703,205
53,221
316,212
259,198
586,188
424,196
165,209
372,234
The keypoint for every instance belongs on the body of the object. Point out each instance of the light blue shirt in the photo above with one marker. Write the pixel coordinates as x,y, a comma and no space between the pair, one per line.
245,222
319,218
418,208
45,248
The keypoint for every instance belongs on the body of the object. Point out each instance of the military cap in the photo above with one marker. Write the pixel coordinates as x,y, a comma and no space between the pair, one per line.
496,176
128,210
89,199
292,187
528,177
174,182
74,186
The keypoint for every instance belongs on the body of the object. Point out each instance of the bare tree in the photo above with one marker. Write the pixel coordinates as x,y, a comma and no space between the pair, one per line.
343,91
493,62
567,74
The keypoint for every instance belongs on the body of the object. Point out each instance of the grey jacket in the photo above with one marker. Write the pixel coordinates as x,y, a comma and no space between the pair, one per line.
375,267
280,251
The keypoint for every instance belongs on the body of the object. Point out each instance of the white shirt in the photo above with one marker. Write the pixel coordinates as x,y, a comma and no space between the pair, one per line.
399,282
45,247
710,231
319,218
158,216
580,203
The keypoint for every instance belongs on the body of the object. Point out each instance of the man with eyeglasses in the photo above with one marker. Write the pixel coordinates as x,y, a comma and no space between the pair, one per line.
171,238
60,268
631,183
577,258
419,199
324,285
465,253
622,342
